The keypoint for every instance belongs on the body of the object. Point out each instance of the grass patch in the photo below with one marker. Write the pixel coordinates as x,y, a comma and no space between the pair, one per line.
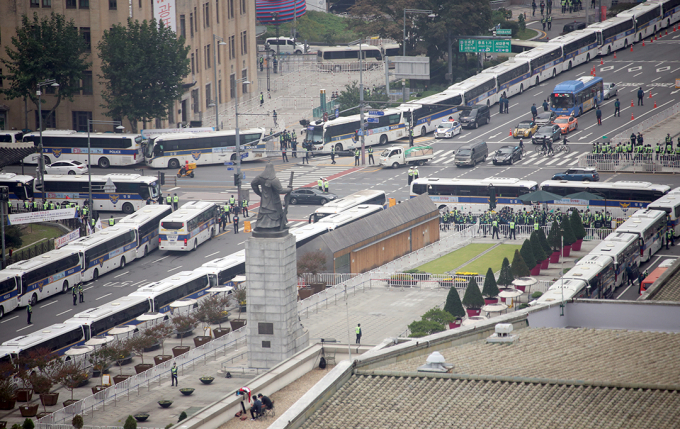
493,259
455,259
35,232
526,34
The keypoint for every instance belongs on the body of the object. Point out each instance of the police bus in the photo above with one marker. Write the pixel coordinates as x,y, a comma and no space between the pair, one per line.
594,279
121,311
345,203
614,34
578,46
106,149
20,187
478,89
210,147
220,271
647,18
46,275
105,250
349,216
473,194
132,191
183,285
624,249
512,77
671,11
576,96
650,227
429,111
9,291
54,339
146,223
545,62
669,203
187,228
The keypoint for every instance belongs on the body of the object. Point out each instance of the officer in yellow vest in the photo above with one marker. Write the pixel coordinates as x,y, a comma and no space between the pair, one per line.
227,211
175,202
512,230
494,225
168,200
357,330
320,184
370,156
245,208
112,221
326,185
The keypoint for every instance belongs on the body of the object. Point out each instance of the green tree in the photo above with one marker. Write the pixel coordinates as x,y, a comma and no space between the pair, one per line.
577,225
555,237
182,416
519,267
527,253
567,232
13,237
143,66
130,423
28,424
438,315
544,242
453,305
539,254
473,296
506,277
349,99
45,48
490,289
421,328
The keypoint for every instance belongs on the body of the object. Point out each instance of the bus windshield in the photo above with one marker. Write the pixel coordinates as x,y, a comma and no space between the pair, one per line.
315,135
561,101
148,148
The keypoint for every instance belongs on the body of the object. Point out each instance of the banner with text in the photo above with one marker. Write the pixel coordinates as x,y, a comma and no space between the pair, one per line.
164,10
61,241
45,216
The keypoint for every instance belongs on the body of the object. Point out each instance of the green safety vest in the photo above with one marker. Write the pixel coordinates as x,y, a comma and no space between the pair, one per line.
225,208
549,18
356,153
677,150
512,225
415,172
326,184
168,198
51,206
410,172
74,290
175,199
370,150
245,203
111,222
232,201
669,148
357,330
173,370
80,288
494,223
29,309
320,183
333,150
35,204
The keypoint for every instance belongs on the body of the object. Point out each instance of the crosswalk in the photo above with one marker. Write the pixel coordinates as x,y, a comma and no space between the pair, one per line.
446,157
306,175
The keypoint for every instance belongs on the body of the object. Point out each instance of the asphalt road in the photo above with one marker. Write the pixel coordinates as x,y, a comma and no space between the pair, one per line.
652,67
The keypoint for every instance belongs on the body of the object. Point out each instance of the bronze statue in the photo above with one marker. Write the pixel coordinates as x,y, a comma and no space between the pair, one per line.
271,217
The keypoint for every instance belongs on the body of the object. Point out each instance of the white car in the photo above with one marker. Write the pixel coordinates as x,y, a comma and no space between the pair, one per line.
609,90
447,129
66,166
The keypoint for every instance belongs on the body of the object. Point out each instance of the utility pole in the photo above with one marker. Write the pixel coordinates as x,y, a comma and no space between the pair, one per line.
4,196
361,104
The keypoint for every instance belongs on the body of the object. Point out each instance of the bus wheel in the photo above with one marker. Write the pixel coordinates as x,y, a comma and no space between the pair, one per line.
128,208
2,311
195,245
95,274
46,160
64,287
104,163
122,262
383,139
173,163
338,147
521,88
423,131
34,299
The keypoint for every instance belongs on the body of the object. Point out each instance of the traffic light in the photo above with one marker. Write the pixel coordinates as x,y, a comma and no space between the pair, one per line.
4,193
492,197
237,180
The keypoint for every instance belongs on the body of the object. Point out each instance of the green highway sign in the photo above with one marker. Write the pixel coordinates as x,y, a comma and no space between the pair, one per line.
484,45
503,32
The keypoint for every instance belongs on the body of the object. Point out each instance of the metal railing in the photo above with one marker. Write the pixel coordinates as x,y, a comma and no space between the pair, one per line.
632,163
624,136
486,230
135,383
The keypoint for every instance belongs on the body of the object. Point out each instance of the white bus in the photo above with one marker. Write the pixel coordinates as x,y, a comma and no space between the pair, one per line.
20,187
618,197
9,291
348,216
343,133
339,58
12,139
671,11
105,250
512,77
187,228
477,89
647,18
146,223
215,147
473,194
650,227
133,191
624,249
46,275
106,149
306,233
183,285
614,34
669,203
346,203
590,280
54,339
430,111
221,271
578,46
545,62
121,311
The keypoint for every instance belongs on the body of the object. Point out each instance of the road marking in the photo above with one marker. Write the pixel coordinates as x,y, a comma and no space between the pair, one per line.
138,283
121,275
564,161
97,299
176,268
49,303
242,242
574,162
438,152
450,160
654,80
172,189
7,320
636,75
540,161
607,68
160,259
207,256
64,312
630,69
662,69
624,291
25,327
586,136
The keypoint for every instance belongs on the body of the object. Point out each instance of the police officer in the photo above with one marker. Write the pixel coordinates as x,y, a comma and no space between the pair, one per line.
80,292
235,223
356,156
416,174
245,207
284,157
29,312
226,209
544,21
370,156
617,108
27,206
549,22
494,225
175,201
306,158
357,330
320,184
173,375
641,97
168,200
112,221
326,185
410,175
74,291
261,61
34,205
261,99
512,230
598,115
232,202
545,105
333,154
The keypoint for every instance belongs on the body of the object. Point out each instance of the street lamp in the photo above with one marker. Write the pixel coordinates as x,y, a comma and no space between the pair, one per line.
238,142
41,158
217,122
429,13
90,122
275,19
361,100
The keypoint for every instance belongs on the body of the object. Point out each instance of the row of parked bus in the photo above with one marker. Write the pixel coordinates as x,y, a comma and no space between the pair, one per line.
514,76
620,254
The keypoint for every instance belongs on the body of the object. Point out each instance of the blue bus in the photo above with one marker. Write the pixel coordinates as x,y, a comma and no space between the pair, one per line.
576,96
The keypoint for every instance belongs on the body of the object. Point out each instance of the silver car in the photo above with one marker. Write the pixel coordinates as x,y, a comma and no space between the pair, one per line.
610,90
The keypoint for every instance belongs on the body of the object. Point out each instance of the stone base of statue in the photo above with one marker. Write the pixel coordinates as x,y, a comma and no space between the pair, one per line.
274,329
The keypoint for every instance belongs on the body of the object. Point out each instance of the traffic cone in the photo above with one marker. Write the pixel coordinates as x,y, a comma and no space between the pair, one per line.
655,104
614,54
601,61
667,32
674,29
656,37
510,132
632,118
650,93
631,46
631,103
643,44
651,39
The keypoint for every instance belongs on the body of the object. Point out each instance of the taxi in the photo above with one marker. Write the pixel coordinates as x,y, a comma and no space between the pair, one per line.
566,123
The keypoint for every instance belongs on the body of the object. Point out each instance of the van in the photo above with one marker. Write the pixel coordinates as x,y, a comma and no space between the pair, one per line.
473,117
286,46
471,154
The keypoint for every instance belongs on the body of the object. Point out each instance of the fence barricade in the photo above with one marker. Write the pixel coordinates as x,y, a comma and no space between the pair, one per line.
632,163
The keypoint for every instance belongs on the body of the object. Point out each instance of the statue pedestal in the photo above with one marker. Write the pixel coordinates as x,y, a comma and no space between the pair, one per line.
274,331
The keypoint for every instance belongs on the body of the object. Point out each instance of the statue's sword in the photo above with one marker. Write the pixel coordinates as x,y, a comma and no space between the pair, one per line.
286,200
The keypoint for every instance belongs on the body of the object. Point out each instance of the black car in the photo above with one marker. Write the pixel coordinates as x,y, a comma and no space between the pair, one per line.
507,155
545,118
551,131
573,26
310,196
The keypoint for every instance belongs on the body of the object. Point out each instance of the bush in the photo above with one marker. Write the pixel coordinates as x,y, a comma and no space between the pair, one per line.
536,295
28,424
182,416
130,423
577,225
490,289
527,253
519,267
453,305
506,277
168,426
555,237
536,247
473,296
438,315
567,232
421,328
77,421
544,242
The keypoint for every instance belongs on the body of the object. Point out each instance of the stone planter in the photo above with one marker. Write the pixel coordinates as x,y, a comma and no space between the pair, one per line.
165,404
455,324
207,380
30,410
120,378
577,245
180,350
522,288
566,250
184,334
24,394
545,263
140,368
69,402
473,311
220,332
201,339
555,257
141,417
98,388
317,287
126,360
536,270
49,399
187,391
159,359
490,300
8,405
41,415
237,324
153,347
305,292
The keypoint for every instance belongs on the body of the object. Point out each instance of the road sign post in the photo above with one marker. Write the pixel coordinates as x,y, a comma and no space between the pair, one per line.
484,45
503,32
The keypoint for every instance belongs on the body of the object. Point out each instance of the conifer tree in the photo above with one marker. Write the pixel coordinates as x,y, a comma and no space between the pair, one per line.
490,289
473,296
519,267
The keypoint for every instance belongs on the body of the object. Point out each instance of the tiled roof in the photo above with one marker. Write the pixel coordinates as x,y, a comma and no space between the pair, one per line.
12,156
390,402
609,356
669,291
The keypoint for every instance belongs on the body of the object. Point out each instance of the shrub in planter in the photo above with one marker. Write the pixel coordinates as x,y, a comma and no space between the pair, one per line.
567,232
579,230
187,391
211,311
220,332
536,295
72,375
77,421
506,277
202,339
140,343
101,359
555,242
527,253
30,410
519,267
165,403
536,246
28,424
421,328
184,323
160,333
473,300
141,417
207,380
237,324
130,423
182,416
490,289
8,388
453,305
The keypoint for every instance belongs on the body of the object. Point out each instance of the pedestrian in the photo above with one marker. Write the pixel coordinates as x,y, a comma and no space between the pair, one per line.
326,185
245,392
223,221
74,291
235,223
549,7
244,206
544,22
533,7
564,6
80,292
356,156
545,105
542,6
357,330
320,183
173,375
641,97
370,156
275,117
534,111
549,22
598,115
29,312
112,221
266,402
501,104
507,104
512,230
410,175
256,409
333,155
261,99
306,158
617,108
284,157
494,225
175,201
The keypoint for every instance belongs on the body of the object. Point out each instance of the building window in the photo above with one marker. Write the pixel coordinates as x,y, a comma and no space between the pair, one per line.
232,47
191,24
219,55
87,83
158,123
47,3
208,64
219,91
266,344
193,70
140,4
208,92
243,7
231,8
194,100
232,85
80,120
48,121
0,78
70,4
197,20
85,4
198,62
182,26
244,43
35,3
265,328
87,36
113,4
171,115
206,15
244,86
217,10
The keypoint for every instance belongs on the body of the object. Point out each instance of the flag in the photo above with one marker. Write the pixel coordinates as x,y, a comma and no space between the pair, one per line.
98,225
89,229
